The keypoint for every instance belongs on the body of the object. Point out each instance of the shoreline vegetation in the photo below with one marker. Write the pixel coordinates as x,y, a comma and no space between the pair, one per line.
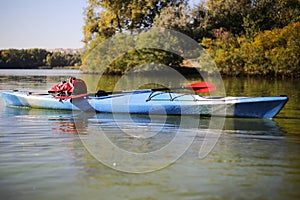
243,38
39,58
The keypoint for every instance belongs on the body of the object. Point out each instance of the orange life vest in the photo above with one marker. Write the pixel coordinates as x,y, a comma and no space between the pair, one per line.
67,87
63,87
57,87
75,86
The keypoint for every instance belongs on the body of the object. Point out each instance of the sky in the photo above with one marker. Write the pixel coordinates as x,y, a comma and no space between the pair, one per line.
46,24
41,23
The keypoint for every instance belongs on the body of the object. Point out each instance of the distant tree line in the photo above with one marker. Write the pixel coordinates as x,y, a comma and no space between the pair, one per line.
244,37
36,58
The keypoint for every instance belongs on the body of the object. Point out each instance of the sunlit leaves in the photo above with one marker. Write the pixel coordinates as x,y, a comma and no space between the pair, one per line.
275,53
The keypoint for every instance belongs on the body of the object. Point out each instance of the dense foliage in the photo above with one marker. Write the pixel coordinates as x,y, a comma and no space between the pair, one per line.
275,52
244,37
36,58
106,18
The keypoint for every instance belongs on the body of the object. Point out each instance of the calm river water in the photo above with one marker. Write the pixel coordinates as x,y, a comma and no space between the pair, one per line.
42,155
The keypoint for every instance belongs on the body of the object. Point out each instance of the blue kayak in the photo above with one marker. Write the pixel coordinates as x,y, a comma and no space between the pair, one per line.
153,102
149,102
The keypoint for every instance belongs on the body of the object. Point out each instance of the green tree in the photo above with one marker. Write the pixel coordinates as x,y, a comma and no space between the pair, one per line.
228,14
175,17
104,18
23,58
57,59
120,16
269,14
124,52
201,22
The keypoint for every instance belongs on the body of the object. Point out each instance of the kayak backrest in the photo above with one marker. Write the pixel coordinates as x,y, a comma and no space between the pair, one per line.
79,87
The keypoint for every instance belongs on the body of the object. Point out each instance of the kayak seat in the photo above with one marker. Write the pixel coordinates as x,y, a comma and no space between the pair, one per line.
101,93
79,87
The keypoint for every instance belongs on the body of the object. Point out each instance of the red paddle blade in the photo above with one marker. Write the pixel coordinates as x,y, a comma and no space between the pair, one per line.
201,87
